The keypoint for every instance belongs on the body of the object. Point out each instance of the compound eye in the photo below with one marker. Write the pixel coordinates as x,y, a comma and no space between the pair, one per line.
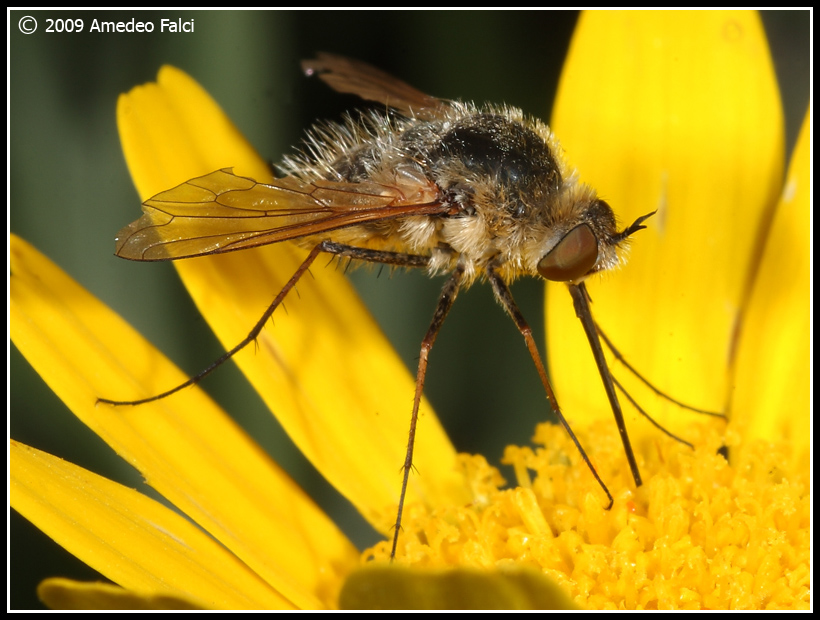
573,257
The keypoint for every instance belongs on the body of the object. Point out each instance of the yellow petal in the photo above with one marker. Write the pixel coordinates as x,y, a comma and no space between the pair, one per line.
186,447
772,385
679,113
135,541
323,367
395,587
58,593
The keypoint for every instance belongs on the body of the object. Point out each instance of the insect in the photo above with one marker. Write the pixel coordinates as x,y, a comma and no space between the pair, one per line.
476,192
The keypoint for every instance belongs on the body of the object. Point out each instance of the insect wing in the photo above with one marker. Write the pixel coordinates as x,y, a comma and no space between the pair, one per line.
345,75
223,212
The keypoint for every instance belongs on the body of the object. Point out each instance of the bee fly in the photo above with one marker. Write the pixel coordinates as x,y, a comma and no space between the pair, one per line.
476,192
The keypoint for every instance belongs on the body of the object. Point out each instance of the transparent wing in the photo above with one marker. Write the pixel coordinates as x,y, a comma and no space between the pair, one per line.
223,212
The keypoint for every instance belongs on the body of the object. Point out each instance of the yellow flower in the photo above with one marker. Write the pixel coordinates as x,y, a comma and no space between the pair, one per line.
699,533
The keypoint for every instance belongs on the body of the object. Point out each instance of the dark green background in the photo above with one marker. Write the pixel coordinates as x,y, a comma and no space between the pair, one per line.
70,193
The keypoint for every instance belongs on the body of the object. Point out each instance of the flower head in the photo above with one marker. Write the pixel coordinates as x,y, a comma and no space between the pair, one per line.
699,533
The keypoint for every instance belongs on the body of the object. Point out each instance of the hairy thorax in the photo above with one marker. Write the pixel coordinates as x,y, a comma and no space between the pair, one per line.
501,177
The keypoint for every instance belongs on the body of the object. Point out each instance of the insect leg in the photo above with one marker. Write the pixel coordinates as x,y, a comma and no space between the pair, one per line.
445,302
503,294
647,416
398,259
619,357
580,299
248,339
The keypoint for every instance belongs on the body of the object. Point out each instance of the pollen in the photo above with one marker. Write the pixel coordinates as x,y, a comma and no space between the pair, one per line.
700,533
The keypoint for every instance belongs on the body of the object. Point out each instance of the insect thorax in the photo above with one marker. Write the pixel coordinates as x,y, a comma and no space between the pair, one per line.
497,174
